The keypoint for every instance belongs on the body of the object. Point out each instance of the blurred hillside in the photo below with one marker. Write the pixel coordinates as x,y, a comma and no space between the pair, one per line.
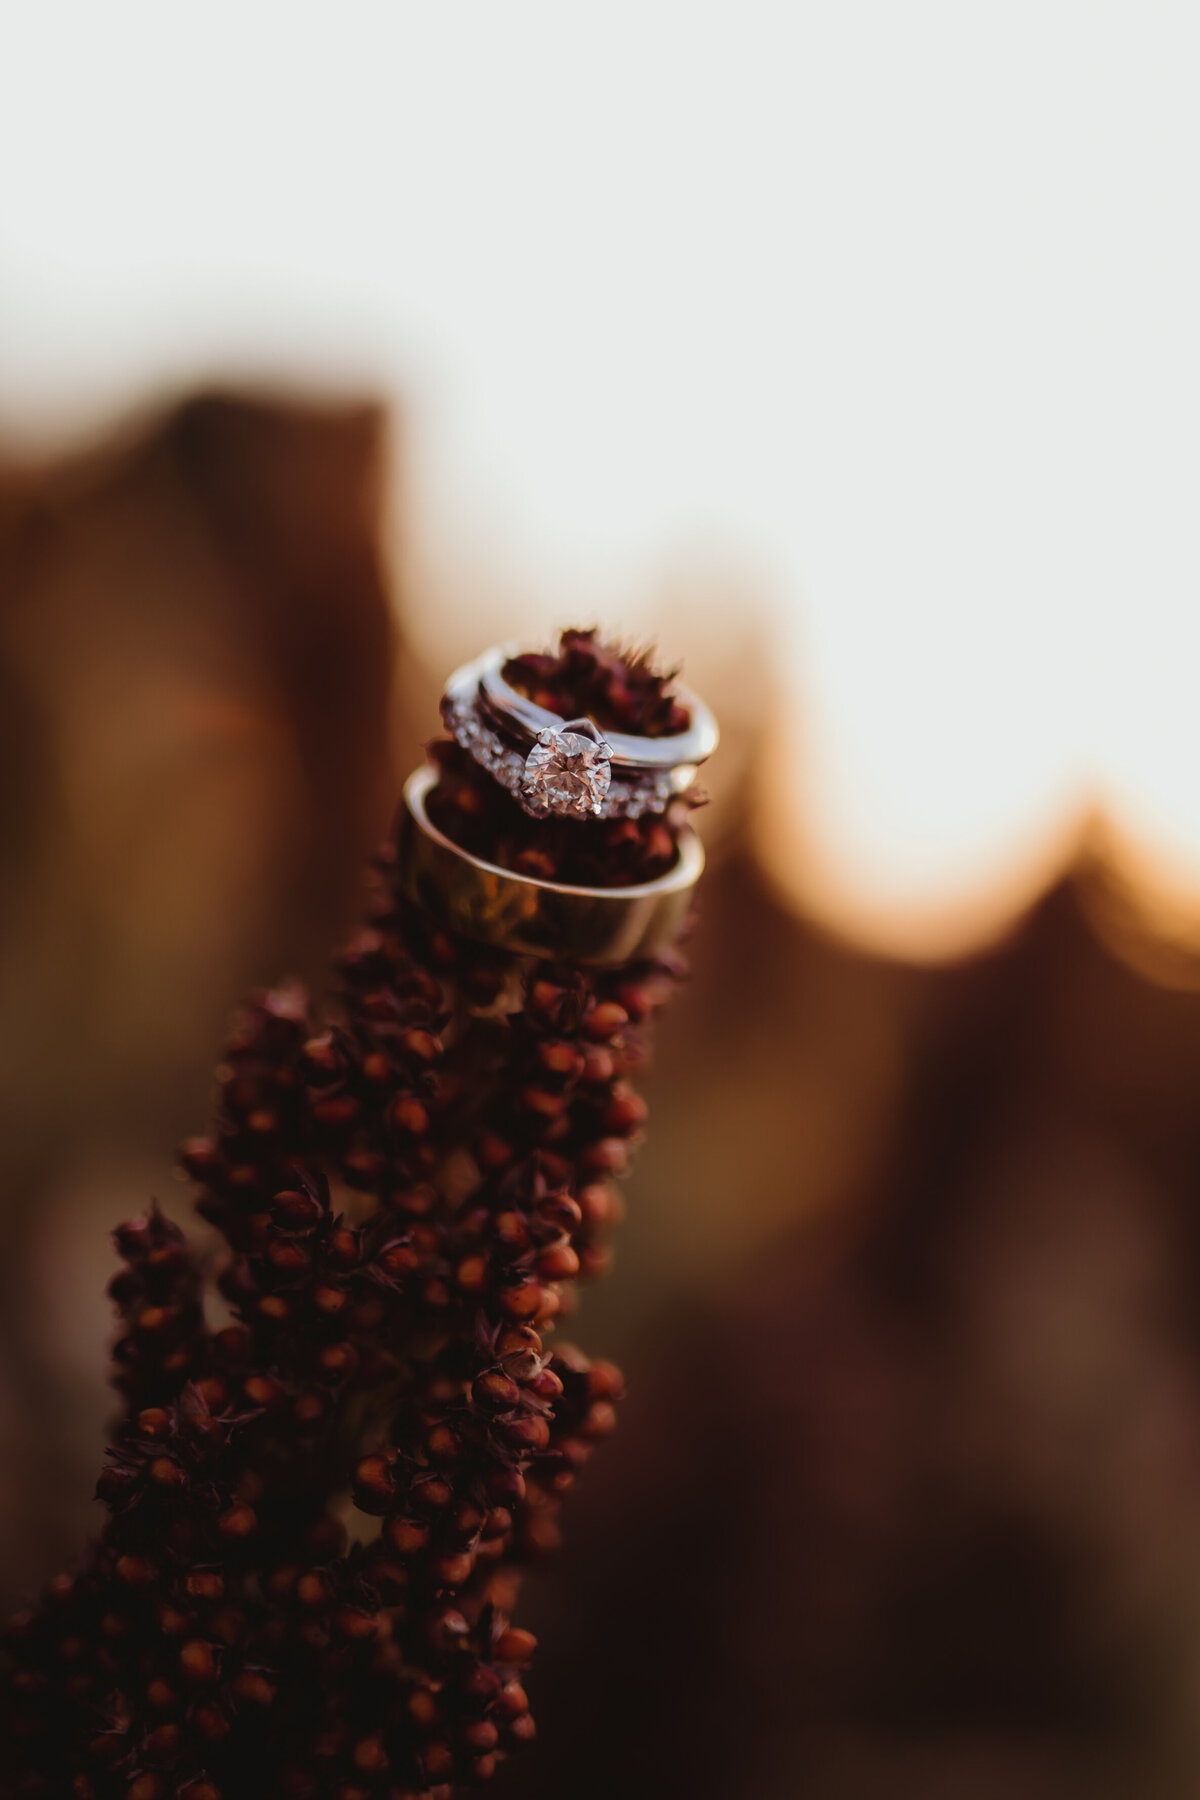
907,1499
195,670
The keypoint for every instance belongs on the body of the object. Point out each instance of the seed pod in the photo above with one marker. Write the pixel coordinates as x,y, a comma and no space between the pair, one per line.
522,1300
293,1210
546,1385
406,1536
253,1688
528,1431
444,1444
370,1755
512,1232
513,1700
605,1020
205,1584
558,1263
135,1571
408,1115
493,1391
345,1248
374,1486
314,1589
198,1660
237,1522
471,1274
515,1646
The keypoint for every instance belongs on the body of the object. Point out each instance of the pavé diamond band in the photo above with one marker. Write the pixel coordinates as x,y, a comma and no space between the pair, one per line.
568,767
604,927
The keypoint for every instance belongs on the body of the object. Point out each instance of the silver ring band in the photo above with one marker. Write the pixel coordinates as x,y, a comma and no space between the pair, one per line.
502,730
523,719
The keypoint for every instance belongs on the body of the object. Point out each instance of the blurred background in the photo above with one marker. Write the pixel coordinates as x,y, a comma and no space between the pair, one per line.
847,352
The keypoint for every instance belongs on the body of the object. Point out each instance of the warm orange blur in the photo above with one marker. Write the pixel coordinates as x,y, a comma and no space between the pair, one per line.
911,1475
849,351
855,339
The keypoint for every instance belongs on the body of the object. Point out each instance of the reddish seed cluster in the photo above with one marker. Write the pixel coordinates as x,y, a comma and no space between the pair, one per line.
319,1510
621,690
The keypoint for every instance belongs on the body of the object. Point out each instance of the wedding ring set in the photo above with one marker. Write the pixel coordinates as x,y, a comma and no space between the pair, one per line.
569,766
565,768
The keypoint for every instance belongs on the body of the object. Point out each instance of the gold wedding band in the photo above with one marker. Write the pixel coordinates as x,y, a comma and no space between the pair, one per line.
604,927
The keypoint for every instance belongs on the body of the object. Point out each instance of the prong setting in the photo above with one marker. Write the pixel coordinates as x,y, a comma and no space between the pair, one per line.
568,772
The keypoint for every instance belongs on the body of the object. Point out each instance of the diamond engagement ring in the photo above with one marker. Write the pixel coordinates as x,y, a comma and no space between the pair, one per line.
569,768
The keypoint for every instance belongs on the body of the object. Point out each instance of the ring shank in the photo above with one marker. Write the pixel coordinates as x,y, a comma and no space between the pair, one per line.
521,719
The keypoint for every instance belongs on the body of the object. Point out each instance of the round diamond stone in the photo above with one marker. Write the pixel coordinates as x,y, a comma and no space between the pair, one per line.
567,773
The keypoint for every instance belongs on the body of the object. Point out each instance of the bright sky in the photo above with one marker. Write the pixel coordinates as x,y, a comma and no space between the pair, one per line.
892,310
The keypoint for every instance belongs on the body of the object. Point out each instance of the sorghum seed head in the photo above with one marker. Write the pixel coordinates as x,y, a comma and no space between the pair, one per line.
463,1249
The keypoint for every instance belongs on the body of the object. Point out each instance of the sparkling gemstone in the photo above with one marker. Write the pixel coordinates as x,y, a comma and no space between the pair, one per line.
567,773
